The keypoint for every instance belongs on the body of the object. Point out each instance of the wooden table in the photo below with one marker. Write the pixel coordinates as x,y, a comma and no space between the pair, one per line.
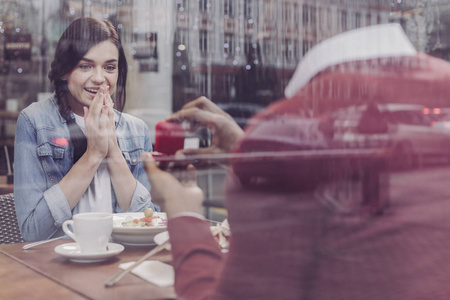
40,273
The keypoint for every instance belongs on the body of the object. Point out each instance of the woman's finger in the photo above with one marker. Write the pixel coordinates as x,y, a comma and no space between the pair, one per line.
97,103
108,99
86,112
104,117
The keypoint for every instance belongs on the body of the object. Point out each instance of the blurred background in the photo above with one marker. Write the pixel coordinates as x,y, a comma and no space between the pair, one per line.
240,53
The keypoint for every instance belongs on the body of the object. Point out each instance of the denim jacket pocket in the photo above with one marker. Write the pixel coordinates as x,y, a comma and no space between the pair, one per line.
133,158
132,148
51,157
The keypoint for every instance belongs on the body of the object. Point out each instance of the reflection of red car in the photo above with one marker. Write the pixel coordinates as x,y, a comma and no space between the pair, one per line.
410,133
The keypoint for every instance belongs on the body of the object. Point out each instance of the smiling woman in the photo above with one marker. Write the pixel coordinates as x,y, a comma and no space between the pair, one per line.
97,168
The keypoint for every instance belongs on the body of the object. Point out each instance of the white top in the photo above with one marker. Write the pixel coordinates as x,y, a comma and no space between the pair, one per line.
97,197
378,41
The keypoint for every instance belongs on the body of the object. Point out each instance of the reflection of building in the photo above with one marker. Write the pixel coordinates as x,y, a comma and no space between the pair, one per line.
228,50
17,33
426,23
246,50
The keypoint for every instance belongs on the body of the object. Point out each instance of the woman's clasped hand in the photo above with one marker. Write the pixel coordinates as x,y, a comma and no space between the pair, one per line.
100,126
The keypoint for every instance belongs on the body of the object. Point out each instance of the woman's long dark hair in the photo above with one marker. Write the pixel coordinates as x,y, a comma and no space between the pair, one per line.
81,35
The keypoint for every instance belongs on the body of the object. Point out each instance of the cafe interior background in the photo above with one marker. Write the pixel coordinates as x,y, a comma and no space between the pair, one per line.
239,53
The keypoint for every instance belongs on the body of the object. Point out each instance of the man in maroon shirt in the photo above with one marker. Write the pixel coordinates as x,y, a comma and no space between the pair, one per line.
288,240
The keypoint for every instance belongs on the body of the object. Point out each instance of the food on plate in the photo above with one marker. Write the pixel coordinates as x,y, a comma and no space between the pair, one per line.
221,233
148,212
152,220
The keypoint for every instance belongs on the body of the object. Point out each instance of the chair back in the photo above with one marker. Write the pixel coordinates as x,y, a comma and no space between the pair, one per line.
9,228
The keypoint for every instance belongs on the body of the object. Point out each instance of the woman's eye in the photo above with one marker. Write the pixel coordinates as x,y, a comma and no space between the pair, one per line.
84,67
110,68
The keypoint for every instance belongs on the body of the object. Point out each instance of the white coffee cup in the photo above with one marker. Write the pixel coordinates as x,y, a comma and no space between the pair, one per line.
91,231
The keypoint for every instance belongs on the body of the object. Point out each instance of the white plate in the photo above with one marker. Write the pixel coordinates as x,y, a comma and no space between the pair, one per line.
72,251
135,236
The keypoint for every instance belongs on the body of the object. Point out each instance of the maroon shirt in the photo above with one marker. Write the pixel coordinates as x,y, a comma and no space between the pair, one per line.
294,245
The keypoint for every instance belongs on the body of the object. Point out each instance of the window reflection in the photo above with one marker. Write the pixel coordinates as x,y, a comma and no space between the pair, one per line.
232,51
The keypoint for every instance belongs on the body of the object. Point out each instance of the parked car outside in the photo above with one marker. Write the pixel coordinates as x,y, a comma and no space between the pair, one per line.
411,134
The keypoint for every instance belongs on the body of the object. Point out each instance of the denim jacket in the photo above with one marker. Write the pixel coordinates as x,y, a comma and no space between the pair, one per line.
43,155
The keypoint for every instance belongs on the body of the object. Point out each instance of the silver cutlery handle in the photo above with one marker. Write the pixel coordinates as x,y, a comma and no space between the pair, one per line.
31,245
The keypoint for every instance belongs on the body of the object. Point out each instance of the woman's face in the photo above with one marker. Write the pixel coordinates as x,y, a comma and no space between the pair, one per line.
98,67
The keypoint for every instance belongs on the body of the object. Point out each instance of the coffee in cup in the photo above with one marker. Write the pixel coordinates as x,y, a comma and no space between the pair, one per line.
91,231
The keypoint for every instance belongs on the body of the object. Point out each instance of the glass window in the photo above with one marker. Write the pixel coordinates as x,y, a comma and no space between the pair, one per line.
344,20
296,50
230,85
203,42
182,38
368,19
204,5
313,16
287,12
267,48
182,5
305,46
248,8
329,18
228,44
242,55
296,11
288,49
228,8
357,20
305,14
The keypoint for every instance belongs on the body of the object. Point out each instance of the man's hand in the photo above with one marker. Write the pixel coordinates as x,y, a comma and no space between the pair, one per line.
202,112
173,195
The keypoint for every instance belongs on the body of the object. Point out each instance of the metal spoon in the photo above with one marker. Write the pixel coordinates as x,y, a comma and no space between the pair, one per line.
31,245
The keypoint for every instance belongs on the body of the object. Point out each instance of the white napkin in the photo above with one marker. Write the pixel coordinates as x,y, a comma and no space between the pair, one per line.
222,232
153,271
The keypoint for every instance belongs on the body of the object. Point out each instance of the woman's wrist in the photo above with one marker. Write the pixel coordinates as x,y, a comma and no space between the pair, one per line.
114,151
93,158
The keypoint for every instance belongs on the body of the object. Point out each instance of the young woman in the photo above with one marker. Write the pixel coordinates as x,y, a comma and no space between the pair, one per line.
76,152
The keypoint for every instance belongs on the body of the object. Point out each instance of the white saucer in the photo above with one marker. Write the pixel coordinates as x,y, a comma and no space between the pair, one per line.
72,251
135,244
